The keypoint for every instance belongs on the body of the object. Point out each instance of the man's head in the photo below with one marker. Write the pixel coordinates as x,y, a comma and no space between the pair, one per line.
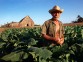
56,9
55,12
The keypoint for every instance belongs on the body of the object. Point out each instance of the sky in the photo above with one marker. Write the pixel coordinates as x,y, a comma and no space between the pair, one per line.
37,10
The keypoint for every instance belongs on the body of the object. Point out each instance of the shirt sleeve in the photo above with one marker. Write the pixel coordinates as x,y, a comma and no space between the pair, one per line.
43,28
63,31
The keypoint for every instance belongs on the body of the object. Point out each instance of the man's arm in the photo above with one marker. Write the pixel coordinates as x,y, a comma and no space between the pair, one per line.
53,39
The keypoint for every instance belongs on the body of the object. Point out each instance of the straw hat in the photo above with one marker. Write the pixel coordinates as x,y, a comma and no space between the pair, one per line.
56,9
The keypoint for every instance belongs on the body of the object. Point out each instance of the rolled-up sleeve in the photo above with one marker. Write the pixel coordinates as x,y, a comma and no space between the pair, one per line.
43,28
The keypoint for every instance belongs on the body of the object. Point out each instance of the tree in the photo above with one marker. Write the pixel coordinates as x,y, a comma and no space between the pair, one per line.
78,20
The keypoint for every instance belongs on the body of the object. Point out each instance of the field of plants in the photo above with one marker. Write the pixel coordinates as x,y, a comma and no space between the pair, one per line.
27,45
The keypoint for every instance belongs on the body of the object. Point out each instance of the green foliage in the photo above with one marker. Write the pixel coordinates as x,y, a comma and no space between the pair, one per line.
40,54
26,44
79,19
15,56
31,41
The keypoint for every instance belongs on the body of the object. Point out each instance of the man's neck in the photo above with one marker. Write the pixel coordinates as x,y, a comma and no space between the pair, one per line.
54,19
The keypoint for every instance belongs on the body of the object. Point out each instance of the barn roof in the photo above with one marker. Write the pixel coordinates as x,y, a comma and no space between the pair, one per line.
26,18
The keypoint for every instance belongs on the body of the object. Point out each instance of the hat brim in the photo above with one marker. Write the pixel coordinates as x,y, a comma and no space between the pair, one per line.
52,10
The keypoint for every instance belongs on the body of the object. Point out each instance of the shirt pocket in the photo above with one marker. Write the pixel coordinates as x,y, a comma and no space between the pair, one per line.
51,31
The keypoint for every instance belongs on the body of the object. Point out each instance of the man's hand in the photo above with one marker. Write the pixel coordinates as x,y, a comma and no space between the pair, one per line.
59,40
55,39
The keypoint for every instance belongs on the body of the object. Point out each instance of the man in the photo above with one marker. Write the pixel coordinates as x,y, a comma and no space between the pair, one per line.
52,29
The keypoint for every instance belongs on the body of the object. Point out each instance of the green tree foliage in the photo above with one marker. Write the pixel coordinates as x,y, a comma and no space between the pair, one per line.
79,19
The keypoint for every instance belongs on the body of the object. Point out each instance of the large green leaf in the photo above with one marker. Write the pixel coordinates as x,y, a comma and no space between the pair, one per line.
42,53
31,41
11,57
15,56
2,44
45,53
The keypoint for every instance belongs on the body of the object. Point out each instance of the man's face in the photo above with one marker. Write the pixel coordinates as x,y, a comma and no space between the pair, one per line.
55,15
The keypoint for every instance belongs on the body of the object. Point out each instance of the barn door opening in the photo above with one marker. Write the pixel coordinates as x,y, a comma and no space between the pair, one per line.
27,24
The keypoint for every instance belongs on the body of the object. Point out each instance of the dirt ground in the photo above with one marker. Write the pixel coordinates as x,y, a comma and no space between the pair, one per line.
2,29
73,24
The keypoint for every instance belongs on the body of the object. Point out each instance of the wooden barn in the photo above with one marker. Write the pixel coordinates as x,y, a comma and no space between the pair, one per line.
25,22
